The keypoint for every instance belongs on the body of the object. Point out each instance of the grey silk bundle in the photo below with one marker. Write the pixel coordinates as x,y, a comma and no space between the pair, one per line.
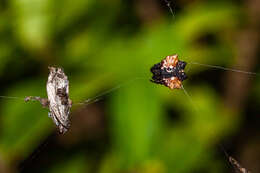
58,100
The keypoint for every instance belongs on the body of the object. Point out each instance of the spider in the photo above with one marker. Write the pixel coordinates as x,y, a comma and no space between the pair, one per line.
169,72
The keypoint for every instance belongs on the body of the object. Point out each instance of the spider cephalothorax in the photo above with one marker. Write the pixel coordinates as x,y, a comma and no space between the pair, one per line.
169,72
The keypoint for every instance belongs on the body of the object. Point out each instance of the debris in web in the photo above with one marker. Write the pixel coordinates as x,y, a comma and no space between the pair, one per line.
235,164
238,168
58,100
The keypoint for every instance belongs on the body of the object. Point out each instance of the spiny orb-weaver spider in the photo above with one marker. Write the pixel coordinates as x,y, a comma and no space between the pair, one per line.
169,72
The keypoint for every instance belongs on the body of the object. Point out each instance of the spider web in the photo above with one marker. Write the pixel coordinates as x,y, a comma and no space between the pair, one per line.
100,96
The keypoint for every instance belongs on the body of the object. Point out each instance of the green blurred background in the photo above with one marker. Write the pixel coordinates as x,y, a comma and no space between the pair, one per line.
108,46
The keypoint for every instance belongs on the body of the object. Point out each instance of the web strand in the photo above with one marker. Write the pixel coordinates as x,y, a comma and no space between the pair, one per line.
189,97
87,101
168,3
10,97
225,68
99,96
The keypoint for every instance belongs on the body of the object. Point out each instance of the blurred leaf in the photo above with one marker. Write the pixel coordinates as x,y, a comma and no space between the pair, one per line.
68,11
136,123
32,22
23,125
74,164
206,18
